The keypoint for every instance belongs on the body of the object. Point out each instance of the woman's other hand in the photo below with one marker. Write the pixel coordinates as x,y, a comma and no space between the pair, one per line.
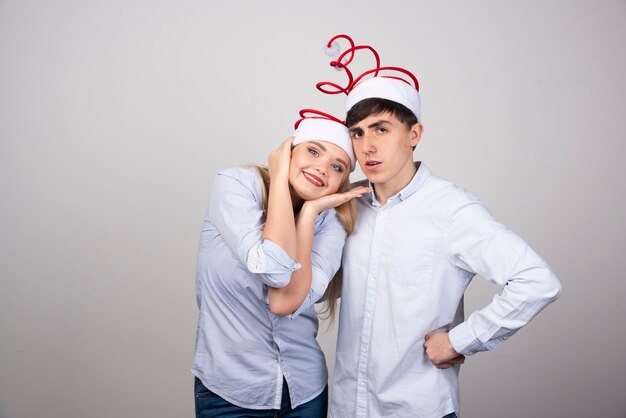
278,161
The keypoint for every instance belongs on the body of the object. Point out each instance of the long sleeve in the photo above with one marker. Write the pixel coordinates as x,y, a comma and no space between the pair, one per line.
243,351
235,210
480,245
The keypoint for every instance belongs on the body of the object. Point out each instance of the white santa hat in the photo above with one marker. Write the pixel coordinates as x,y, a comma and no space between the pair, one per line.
393,89
324,127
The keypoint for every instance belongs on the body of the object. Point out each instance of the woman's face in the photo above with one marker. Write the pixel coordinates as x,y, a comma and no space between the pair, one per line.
317,169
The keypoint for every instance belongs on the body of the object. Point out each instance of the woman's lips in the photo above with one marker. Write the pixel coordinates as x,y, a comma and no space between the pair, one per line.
314,180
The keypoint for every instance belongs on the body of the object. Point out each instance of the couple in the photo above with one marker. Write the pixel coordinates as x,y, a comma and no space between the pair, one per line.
272,242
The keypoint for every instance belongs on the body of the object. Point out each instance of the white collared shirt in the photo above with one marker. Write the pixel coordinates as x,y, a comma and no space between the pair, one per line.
243,351
405,269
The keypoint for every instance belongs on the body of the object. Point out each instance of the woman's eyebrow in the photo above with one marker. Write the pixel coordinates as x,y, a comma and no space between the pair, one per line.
319,145
324,149
342,162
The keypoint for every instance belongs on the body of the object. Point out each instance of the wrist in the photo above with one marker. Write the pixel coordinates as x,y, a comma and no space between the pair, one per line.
279,179
309,208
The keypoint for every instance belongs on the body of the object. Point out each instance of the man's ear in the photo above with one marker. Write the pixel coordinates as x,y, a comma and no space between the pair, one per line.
415,133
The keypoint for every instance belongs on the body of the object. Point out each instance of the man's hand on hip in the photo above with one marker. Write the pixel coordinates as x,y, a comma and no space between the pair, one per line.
440,352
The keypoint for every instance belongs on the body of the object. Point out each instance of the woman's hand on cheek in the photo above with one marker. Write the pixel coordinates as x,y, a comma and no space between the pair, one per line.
336,199
279,159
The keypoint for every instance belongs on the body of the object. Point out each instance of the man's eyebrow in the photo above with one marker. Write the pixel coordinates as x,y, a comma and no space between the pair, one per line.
370,126
319,145
378,123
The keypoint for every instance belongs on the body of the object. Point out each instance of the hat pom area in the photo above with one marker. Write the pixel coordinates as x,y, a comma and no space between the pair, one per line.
333,50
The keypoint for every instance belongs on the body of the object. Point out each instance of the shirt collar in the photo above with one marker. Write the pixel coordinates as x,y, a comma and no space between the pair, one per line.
414,185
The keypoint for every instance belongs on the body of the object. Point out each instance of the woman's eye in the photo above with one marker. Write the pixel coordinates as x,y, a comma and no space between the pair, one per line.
313,152
338,168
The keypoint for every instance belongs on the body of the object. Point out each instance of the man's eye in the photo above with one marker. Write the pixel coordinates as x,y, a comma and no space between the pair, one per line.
313,151
357,135
382,130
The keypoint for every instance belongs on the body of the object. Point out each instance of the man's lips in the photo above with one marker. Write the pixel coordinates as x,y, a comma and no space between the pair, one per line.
372,164
313,179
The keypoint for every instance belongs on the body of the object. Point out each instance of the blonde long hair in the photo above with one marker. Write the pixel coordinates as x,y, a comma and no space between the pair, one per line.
347,216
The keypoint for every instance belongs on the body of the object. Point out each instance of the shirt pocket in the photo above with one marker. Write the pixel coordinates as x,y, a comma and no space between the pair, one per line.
412,260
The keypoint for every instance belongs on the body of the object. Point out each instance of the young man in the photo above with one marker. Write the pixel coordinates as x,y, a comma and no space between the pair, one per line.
418,242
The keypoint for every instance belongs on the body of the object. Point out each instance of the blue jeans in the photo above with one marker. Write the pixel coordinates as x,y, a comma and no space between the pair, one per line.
209,405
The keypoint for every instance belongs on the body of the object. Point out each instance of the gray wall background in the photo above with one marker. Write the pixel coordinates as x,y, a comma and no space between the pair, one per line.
115,116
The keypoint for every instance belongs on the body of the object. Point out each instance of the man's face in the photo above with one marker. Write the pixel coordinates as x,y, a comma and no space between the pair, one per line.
384,148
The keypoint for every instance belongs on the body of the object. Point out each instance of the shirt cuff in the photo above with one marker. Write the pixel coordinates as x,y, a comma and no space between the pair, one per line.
463,341
319,283
273,262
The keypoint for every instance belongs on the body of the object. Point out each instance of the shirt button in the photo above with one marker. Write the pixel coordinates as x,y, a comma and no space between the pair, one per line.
363,349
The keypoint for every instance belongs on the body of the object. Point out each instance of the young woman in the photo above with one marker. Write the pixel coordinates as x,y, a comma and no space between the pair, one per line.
271,242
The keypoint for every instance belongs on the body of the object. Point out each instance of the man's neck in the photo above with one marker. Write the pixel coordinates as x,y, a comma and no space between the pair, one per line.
384,191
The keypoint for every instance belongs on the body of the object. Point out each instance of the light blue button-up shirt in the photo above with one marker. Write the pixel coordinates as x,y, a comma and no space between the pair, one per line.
405,269
243,350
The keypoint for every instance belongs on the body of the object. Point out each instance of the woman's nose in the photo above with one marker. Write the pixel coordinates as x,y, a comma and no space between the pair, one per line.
320,170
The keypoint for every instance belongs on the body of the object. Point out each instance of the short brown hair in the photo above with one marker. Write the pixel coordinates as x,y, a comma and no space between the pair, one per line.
374,106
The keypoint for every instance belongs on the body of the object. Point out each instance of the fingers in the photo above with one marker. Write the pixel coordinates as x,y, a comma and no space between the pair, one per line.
282,148
440,352
357,191
349,195
443,365
340,198
447,364
287,142
279,160
335,199
361,190
460,359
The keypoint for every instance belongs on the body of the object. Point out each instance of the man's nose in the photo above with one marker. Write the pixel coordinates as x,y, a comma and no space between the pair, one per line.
367,144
